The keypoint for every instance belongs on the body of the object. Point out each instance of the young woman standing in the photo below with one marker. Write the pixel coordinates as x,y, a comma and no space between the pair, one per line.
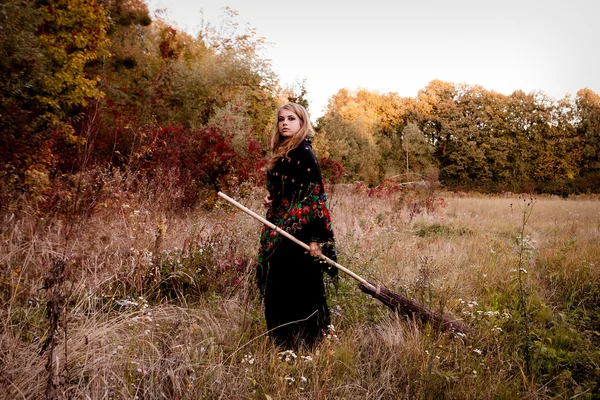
291,279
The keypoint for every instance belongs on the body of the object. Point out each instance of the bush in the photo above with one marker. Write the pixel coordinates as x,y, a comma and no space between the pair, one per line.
200,161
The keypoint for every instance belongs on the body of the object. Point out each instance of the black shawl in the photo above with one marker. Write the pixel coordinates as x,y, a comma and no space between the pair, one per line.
299,204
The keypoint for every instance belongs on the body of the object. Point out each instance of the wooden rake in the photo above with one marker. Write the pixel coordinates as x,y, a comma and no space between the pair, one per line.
394,301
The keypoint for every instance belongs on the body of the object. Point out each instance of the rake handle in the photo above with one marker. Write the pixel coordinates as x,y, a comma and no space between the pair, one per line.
293,239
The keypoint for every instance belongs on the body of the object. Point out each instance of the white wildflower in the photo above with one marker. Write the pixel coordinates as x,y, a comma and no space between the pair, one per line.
287,355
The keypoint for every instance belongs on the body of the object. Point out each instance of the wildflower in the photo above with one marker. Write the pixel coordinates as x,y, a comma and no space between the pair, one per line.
248,358
332,337
126,303
478,351
337,311
287,355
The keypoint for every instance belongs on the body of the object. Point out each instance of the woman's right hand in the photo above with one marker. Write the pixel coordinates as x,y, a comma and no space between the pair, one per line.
268,200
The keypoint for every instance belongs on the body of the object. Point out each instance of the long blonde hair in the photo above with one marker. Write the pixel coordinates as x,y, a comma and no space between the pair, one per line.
279,145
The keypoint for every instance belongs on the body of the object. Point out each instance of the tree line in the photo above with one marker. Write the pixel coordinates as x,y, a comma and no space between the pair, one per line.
100,85
472,138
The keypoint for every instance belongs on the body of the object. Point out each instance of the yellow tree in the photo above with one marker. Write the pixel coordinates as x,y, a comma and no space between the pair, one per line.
71,36
376,122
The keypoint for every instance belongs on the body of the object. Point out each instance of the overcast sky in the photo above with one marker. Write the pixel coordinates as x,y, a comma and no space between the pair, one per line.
400,46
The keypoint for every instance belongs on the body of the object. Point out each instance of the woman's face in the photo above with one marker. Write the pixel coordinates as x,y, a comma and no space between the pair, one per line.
288,123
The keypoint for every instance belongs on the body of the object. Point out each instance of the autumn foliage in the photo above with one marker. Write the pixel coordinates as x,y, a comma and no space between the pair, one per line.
476,139
93,85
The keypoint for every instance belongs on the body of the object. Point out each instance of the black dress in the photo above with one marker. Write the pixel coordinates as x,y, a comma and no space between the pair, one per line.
290,280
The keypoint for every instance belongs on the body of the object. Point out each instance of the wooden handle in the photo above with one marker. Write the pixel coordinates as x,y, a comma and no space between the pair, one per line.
293,239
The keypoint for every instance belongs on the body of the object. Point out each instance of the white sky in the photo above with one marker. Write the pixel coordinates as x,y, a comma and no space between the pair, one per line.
401,46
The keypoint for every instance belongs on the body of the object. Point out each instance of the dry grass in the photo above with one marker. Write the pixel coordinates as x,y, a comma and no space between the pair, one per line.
156,305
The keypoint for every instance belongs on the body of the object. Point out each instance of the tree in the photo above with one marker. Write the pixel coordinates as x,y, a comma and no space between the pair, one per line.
415,143
48,48
21,68
71,36
588,130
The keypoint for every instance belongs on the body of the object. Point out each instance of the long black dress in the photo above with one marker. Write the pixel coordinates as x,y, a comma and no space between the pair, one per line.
291,281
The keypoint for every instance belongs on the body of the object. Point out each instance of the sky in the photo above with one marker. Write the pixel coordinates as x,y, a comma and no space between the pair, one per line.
400,46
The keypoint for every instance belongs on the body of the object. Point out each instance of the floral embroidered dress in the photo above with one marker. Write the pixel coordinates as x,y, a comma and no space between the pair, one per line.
291,281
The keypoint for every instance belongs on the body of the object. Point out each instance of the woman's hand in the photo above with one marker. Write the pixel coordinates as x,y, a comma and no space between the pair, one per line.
268,200
315,249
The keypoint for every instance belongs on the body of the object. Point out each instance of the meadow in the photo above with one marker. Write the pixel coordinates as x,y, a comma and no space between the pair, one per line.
130,300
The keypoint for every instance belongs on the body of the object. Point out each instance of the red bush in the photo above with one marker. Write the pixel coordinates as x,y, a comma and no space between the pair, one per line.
332,170
201,160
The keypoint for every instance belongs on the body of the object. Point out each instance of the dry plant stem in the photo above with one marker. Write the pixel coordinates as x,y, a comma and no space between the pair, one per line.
386,296
526,214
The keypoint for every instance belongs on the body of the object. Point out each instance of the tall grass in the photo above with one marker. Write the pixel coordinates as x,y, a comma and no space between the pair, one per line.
156,304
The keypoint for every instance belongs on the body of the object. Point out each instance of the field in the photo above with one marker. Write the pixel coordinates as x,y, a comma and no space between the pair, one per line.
133,301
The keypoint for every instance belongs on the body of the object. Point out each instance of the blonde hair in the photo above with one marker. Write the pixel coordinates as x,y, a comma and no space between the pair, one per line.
279,145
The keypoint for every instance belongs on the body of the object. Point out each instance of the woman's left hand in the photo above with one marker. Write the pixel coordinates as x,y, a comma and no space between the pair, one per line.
315,249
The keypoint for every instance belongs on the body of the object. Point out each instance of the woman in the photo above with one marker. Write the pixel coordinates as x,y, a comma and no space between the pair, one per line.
290,278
